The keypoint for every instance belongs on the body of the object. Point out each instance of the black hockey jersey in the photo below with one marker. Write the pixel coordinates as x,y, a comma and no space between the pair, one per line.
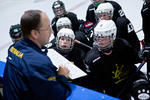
110,72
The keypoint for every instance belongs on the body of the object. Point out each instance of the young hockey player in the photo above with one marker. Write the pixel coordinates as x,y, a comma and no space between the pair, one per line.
90,15
125,29
65,46
60,11
63,22
111,63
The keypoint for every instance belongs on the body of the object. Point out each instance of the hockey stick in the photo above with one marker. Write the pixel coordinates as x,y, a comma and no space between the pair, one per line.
83,44
139,30
132,76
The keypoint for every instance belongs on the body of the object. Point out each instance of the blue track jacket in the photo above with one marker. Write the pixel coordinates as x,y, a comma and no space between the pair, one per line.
30,75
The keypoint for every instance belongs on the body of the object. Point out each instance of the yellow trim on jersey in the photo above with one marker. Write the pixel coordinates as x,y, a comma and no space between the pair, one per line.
52,78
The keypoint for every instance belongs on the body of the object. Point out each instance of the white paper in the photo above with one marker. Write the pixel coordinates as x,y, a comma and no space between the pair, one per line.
57,59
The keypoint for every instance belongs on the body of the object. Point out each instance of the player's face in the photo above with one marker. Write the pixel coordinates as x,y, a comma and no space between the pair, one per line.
65,42
59,11
104,16
103,41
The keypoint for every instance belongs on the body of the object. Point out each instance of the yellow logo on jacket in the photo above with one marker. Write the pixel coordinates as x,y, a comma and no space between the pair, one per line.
53,78
16,52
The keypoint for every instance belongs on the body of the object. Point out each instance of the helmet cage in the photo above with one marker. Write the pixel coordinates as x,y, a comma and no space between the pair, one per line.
103,35
98,15
63,33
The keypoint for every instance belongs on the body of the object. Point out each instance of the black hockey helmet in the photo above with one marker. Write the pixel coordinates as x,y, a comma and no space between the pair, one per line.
15,31
86,27
57,6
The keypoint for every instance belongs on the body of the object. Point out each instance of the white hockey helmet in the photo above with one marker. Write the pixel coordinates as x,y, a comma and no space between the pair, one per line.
105,8
65,32
64,21
105,28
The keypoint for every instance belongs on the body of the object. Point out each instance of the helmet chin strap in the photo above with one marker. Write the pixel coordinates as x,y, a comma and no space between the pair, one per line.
64,51
106,49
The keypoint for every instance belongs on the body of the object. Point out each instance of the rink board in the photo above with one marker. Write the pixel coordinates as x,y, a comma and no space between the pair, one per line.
81,93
